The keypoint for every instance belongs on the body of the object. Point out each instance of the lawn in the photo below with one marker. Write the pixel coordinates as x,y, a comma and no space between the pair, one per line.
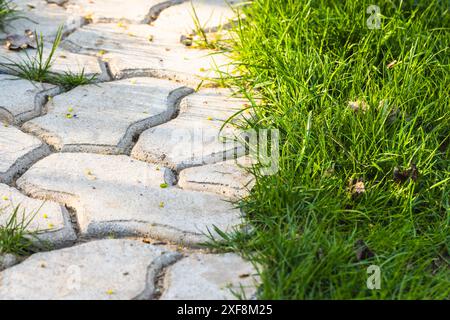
364,170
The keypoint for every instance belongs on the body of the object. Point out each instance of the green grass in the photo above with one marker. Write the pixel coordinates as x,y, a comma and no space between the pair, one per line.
38,67
14,236
308,60
6,12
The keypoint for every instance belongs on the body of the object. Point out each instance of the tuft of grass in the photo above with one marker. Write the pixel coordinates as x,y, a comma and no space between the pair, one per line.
38,68
364,153
206,39
14,236
7,12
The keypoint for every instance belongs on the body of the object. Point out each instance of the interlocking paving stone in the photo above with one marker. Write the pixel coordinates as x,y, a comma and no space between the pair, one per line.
105,117
48,219
41,17
63,61
17,152
119,195
135,11
228,178
22,100
98,270
194,137
129,52
209,277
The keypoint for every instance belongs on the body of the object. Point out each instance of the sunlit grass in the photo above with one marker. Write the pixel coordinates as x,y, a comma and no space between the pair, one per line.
37,67
309,60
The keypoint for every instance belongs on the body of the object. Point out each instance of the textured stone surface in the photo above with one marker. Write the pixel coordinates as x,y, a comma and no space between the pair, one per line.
17,152
194,137
209,277
48,219
228,178
7,260
129,52
41,17
106,269
105,117
22,100
136,11
119,195
63,61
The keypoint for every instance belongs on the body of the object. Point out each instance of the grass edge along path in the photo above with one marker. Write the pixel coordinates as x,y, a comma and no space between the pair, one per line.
364,167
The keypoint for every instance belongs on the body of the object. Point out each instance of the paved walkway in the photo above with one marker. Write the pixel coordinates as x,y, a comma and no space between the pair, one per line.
131,169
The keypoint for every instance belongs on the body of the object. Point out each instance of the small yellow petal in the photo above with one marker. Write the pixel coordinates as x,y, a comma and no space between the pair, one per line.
5,198
110,292
51,225
209,118
121,24
161,204
88,16
163,185
45,216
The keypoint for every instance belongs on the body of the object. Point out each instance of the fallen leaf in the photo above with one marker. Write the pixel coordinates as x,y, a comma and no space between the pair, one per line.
414,172
401,176
20,42
392,64
358,105
357,187
362,251
186,40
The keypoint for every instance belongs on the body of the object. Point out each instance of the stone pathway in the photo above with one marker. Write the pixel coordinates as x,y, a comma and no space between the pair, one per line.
125,178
